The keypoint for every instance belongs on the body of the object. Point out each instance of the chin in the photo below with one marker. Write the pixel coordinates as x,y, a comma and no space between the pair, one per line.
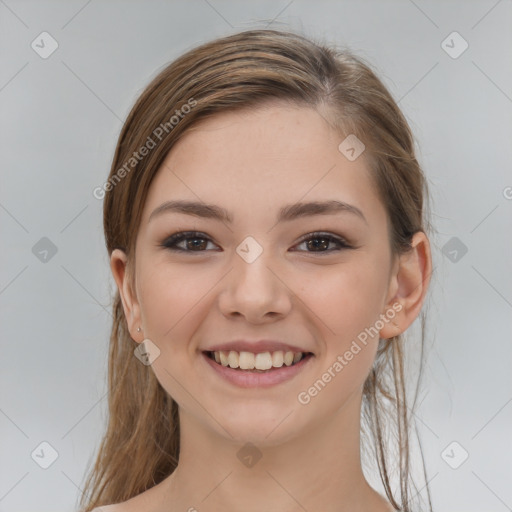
270,426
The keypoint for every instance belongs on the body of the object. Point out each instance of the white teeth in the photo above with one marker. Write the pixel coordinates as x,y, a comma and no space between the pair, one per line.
233,359
260,361
277,359
246,360
223,357
263,361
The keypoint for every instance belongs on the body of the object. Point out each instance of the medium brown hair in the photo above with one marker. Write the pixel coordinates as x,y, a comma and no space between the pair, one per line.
140,447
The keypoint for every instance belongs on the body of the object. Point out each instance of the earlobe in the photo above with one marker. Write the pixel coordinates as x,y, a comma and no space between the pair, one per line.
119,268
410,285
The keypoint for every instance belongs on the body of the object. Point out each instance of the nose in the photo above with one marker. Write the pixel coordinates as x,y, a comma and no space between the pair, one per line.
255,291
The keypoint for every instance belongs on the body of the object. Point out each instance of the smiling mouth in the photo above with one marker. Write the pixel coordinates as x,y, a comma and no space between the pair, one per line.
263,362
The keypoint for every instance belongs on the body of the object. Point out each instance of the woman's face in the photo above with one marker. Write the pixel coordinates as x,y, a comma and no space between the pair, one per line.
258,277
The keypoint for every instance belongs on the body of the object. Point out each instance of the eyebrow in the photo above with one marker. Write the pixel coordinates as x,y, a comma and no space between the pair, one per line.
286,213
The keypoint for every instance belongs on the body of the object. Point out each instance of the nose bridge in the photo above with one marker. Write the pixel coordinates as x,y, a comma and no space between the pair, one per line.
250,250
252,262
254,288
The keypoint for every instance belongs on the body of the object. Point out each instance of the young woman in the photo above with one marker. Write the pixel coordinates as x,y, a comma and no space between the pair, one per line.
265,221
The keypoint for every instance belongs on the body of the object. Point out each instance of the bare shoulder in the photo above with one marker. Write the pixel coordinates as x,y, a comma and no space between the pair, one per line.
119,507
150,500
147,501
126,506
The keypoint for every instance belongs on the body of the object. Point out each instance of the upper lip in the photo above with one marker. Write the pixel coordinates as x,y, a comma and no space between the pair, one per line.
256,346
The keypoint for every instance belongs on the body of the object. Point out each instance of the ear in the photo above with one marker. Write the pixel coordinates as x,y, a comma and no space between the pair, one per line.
118,266
408,286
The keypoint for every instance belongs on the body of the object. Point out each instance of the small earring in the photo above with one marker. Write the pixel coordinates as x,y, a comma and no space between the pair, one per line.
138,329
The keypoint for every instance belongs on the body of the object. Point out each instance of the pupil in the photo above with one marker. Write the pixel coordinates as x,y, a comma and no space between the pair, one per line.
323,245
194,245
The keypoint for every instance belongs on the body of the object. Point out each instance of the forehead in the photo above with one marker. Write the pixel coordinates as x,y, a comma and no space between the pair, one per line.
255,160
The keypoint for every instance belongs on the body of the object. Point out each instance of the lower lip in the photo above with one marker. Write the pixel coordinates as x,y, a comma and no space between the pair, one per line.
247,379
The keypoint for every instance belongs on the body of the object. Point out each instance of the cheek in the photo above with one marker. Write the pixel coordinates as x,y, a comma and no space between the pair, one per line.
347,299
171,298
172,302
348,302
353,300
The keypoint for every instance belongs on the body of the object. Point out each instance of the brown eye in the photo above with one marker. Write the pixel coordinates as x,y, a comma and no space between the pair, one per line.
193,242
319,242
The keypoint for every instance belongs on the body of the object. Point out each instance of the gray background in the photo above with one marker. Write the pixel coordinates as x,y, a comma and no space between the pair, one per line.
60,118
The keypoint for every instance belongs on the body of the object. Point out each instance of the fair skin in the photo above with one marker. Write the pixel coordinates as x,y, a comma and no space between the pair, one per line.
252,163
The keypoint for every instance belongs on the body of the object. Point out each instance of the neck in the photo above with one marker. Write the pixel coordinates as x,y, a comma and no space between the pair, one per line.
318,470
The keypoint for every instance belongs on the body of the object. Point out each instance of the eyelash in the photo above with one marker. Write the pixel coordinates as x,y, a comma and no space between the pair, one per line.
171,242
